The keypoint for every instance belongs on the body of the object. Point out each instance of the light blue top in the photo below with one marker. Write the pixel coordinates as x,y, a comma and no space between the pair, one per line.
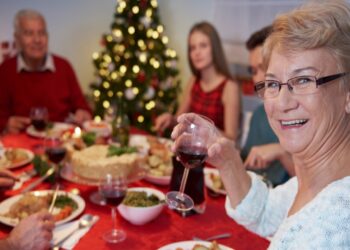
323,223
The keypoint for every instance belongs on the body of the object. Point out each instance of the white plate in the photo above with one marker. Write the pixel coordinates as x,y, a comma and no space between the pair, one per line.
57,129
29,158
188,245
159,180
6,204
209,182
68,174
141,141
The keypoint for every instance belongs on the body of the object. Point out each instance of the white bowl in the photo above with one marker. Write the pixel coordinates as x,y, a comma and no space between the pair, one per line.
142,215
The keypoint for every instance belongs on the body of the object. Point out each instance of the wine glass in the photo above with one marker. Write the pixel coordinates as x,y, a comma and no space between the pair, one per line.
55,151
39,117
191,149
113,189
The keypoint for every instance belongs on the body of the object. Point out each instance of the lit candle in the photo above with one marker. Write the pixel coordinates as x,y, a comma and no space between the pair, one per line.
77,133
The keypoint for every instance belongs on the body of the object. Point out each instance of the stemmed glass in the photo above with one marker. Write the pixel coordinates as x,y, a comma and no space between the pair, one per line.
113,189
39,118
191,145
55,151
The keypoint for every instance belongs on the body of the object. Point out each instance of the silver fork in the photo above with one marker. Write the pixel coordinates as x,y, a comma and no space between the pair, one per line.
215,237
23,177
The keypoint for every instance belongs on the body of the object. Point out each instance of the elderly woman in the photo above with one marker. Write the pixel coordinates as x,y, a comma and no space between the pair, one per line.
306,95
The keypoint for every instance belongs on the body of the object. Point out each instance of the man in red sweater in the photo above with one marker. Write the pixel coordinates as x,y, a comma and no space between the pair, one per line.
37,78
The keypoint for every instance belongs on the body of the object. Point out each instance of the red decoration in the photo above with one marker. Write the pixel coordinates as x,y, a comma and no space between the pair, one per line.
155,82
141,77
103,41
143,4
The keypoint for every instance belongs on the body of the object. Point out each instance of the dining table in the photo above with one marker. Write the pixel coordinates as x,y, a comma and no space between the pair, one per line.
168,227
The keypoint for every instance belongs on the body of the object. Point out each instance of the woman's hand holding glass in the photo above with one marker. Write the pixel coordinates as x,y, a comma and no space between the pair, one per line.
193,136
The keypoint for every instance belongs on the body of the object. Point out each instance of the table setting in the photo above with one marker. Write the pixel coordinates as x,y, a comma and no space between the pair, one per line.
156,227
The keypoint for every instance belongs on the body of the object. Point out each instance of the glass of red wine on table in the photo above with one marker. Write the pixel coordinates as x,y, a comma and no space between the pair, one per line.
55,151
191,146
113,189
39,118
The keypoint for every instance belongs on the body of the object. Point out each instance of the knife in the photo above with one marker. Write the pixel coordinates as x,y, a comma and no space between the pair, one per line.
38,181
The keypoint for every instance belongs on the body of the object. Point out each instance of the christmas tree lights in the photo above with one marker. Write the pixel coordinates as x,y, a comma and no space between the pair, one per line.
136,65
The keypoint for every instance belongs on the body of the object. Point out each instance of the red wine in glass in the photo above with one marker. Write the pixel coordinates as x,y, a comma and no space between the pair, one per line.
113,196
39,117
39,124
56,155
193,139
191,156
113,189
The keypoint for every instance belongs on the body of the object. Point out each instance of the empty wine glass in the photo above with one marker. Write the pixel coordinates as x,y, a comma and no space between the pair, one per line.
113,189
39,117
191,149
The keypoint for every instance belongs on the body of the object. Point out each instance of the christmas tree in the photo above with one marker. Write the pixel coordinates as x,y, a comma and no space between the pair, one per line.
136,66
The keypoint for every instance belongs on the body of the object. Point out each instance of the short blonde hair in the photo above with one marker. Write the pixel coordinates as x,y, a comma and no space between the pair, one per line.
316,24
26,13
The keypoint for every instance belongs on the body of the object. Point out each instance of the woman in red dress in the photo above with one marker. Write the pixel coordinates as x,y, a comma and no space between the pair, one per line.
210,91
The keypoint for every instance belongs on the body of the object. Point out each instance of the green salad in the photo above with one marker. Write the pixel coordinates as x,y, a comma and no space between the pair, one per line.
140,199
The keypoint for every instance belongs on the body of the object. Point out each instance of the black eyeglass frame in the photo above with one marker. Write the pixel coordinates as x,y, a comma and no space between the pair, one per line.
319,81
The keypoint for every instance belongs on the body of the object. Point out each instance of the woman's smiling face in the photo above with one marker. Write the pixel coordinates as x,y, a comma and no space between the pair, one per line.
304,123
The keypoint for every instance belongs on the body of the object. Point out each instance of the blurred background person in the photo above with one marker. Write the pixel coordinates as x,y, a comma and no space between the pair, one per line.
211,91
306,95
36,77
262,152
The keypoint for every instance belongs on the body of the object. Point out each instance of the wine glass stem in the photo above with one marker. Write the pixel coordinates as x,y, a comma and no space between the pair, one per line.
114,219
183,182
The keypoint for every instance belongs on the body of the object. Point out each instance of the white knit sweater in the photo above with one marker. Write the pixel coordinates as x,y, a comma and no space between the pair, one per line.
324,223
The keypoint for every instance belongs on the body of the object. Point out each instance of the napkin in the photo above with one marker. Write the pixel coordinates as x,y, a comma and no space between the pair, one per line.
63,230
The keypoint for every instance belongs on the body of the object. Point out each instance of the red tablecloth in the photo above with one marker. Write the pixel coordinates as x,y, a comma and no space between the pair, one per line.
167,228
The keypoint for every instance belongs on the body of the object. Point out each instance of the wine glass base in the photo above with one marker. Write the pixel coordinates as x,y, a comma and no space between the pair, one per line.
98,199
178,201
114,236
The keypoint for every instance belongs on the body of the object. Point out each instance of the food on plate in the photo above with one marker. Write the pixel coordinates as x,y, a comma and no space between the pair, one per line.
159,160
216,181
100,128
94,163
114,150
140,199
30,204
13,156
214,246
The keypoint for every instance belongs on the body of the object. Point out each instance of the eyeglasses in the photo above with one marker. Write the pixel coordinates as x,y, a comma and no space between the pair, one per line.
300,85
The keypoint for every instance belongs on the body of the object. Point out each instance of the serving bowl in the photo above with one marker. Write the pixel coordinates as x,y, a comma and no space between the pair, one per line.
142,215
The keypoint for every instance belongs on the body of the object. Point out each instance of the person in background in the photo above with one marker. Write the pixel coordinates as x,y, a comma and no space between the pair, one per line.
36,77
211,91
33,232
306,95
262,152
